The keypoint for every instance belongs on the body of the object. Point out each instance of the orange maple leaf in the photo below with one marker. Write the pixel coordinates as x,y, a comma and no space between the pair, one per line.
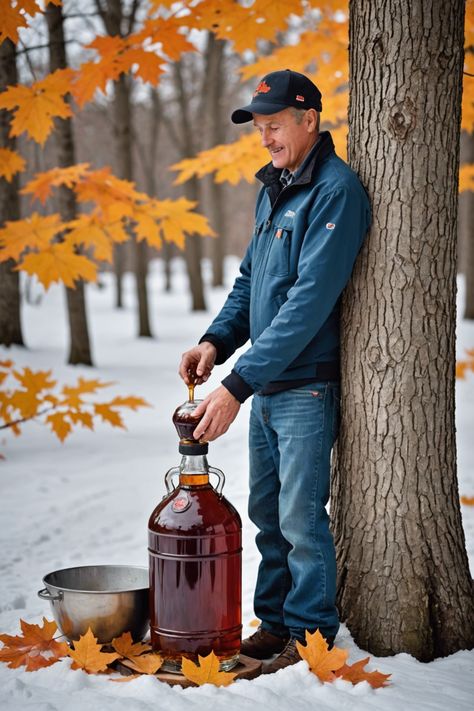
231,162
149,66
175,219
356,673
35,232
87,654
82,418
466,177
72,394
206,672
321,661
167,32
34,381
41,185
125,646
244,25
58,262
36,648
35,107
137,655
59,424
10,163
10,20
467,500
131,402
145,664
109,415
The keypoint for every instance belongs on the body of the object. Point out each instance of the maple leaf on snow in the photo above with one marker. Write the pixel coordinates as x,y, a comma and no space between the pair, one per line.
356,673
87,654
322,661
207,672
35,649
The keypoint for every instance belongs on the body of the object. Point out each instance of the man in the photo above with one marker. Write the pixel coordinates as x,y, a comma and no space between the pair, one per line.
311,217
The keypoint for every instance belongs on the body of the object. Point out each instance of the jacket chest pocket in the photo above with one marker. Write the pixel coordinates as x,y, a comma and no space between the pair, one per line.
278,263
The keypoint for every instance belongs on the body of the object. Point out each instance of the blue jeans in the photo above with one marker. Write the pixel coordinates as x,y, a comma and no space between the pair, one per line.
291,435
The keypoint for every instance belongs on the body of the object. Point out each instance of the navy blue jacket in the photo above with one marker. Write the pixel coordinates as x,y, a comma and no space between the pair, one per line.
300,258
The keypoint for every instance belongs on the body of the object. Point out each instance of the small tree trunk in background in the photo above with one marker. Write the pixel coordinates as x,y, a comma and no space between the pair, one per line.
214,78
193,248
404,581
114,18
10,323
79,344
123,157
466,229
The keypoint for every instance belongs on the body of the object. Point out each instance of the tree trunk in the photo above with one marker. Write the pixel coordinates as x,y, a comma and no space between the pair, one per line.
121,120
10,322
216,135
466,230
193,249
404,583
117,23
79,343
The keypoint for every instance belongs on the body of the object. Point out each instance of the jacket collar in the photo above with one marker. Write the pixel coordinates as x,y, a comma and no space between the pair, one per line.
269,175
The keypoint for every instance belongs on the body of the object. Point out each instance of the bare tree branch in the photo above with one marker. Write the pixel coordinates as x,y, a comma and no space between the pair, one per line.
132,16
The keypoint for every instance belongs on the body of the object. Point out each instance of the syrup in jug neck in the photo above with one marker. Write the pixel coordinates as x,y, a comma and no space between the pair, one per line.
194,470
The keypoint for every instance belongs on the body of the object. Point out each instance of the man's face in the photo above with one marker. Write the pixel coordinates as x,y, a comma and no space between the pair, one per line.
287,141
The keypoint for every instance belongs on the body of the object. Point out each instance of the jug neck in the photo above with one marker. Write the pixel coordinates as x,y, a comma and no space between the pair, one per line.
194,470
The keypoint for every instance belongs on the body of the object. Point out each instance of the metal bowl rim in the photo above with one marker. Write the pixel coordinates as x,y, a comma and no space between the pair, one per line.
94,592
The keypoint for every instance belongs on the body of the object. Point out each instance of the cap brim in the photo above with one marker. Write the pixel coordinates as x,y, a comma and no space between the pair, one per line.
245,113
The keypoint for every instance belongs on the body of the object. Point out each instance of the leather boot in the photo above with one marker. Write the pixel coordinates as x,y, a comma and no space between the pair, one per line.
289,656
262,644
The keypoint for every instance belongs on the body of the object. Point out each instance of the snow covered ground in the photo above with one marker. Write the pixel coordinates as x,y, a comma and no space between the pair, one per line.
88,501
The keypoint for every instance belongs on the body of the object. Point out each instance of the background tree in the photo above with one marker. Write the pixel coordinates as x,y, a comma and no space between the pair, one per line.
404,581
79,342
10,322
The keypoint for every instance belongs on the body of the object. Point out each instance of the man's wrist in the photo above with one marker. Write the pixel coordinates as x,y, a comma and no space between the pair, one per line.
221,355
237,387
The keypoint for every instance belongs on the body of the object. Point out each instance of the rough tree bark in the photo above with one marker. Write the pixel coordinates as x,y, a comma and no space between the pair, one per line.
10,322
466,233
79,342
404,582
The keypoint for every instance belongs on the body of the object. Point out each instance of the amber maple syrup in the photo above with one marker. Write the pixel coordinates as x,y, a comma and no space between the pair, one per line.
196,576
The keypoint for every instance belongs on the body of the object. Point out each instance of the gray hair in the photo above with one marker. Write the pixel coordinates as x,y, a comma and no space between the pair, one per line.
299,113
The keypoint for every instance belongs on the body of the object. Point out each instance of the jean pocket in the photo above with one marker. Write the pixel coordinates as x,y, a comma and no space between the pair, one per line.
313,390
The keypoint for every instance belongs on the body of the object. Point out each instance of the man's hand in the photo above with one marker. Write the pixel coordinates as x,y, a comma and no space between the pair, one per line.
200,360
221,409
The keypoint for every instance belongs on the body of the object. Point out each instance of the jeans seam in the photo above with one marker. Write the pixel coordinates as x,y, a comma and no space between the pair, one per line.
314,492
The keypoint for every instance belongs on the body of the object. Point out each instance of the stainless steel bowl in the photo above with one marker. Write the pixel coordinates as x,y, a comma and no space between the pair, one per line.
110,599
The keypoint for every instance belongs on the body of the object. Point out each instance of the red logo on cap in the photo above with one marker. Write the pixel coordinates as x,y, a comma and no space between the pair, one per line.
299,97
262,88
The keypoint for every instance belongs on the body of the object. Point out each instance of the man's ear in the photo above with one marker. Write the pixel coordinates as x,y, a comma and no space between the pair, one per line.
312,120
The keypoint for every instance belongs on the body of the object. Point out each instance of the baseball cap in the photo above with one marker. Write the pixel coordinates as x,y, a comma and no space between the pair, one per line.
277,91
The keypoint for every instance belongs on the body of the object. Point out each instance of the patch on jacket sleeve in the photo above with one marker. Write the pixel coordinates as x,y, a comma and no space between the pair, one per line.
290,213
330,225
